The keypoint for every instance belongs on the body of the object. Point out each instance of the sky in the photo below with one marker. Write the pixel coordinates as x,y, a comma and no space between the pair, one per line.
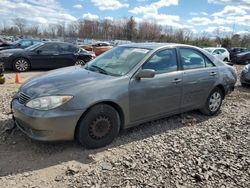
227,16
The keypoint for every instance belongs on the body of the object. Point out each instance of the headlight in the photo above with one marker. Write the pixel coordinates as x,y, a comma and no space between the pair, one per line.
48,102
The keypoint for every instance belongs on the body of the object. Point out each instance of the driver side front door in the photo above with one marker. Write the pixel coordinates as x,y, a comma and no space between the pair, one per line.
154,97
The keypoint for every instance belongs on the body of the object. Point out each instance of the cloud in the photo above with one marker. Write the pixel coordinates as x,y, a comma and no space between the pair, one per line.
42,11
200,21
230,2
109,4
109,18
153,7
198,13
230,11
90,16
150,12
77,6
220,29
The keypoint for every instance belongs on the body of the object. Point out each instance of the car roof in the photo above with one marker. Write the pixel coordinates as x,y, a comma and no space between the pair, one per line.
57,42
155,45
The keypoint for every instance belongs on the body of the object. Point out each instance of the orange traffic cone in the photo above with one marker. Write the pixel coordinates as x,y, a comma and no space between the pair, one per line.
18,78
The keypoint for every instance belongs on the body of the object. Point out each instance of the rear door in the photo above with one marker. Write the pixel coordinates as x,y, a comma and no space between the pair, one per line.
199,78
67,55
153,97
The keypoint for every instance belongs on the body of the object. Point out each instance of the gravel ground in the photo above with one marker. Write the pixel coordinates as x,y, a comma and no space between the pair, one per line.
187,150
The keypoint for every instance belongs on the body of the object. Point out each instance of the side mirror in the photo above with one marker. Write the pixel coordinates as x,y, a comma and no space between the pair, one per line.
145,73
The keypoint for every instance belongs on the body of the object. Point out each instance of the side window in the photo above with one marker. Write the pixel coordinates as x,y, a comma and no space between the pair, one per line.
49,49
192,59
162,62
73,49
209,63
222,51
217,52
67,48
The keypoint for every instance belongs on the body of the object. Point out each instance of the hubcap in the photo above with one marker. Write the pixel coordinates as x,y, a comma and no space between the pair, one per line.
214,101
21,65
80,62
100,127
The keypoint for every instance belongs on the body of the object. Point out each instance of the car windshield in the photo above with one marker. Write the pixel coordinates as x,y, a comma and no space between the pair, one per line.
33,47
118,61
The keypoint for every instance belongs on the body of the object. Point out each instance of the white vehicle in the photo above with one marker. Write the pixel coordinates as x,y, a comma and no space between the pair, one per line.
220,53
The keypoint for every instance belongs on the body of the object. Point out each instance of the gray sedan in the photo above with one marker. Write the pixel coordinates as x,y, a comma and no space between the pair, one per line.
124,87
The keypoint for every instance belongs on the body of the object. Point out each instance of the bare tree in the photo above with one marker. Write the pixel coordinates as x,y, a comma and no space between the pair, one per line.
20,23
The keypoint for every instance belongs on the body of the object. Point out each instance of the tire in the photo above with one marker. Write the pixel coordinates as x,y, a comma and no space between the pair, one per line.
213,107
244,85
99,127
80,62
21,65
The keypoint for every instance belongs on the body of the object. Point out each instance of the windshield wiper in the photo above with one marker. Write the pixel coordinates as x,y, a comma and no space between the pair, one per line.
100,70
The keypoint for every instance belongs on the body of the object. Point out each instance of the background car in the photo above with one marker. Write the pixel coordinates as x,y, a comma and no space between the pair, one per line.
236,50
98,48
23,43
245,75
220,53
242,58
44,55
92,103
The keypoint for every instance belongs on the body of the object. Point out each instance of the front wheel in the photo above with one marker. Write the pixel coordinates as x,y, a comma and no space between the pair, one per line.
98,127
226,60
213,102
21,65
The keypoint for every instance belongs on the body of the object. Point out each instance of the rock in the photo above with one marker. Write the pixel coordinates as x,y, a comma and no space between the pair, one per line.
106,166
71,171
198,177
26,174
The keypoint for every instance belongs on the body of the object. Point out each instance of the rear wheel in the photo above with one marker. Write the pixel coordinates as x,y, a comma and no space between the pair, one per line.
80,62
21,65
213,102
98,127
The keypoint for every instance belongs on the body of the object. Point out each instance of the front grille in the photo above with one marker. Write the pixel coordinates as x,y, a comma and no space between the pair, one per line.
23,98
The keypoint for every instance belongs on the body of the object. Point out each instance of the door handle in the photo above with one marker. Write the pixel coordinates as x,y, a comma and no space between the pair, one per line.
55,54
213,73
177,80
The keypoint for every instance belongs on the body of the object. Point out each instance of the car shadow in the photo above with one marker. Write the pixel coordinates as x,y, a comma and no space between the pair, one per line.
19,154
243,89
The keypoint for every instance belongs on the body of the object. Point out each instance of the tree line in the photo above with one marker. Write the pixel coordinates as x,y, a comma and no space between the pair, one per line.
123,29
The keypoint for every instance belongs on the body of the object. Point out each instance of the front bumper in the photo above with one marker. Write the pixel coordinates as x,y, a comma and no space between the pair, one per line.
52,125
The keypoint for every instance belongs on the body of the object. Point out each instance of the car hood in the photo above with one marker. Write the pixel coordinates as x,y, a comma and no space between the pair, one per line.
64,81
